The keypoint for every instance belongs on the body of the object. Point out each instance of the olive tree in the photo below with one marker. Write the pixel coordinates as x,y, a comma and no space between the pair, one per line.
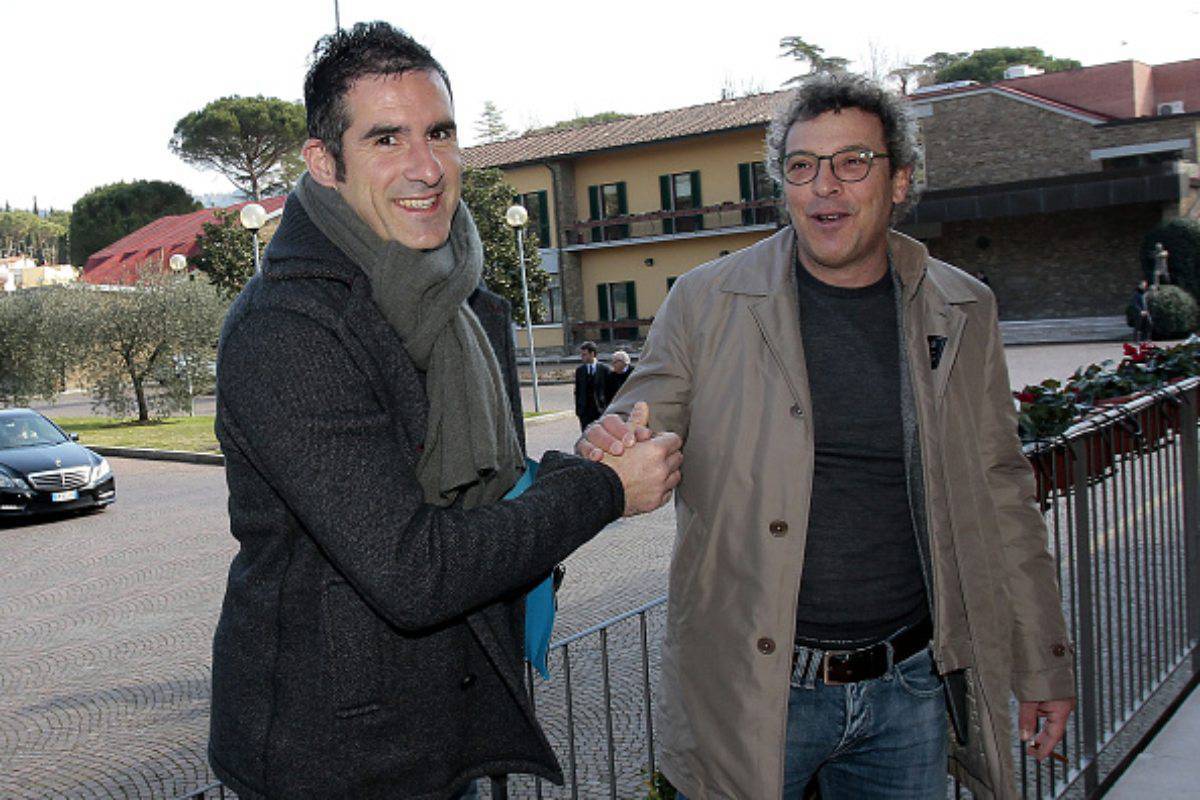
41,340
153,344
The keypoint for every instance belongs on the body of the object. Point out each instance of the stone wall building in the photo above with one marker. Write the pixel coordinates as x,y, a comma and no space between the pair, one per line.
1037,183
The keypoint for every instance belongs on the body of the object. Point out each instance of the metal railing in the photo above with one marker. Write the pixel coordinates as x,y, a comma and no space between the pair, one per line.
1121,496
628,227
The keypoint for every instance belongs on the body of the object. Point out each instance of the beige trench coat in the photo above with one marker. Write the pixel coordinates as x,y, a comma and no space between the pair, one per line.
723,366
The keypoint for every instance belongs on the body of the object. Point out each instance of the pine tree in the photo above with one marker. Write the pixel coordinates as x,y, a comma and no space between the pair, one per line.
491,127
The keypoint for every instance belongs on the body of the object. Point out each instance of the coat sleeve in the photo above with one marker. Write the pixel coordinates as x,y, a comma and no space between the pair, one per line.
1042,668
294,403
664,373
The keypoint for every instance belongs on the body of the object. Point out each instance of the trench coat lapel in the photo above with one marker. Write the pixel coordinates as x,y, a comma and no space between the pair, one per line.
772,303
934,322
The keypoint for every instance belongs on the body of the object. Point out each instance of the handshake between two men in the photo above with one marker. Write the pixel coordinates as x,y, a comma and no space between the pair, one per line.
647,463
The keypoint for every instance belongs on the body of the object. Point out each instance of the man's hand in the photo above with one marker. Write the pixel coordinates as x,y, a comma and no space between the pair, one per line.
1055,713
612,435
649,472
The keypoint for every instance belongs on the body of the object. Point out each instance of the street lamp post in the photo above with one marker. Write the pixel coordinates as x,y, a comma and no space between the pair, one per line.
253,217
516,217
178,264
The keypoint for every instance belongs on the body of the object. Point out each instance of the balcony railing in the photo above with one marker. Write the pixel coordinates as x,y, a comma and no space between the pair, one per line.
1121,497
630,227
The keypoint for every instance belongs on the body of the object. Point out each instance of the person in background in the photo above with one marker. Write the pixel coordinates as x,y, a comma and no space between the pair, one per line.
591,378
1143,323
618,373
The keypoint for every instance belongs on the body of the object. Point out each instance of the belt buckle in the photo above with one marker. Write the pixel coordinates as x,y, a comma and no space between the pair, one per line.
825,659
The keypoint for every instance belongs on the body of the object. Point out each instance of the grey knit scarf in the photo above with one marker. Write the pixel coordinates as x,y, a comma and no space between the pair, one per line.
471,449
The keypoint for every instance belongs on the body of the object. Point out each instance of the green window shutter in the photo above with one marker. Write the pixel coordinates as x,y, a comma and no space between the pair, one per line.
543,219
606,334
697,198
746,193
623,209
594,212
631,298
664,194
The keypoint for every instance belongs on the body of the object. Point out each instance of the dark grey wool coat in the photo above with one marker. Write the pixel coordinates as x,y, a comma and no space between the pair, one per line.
370,645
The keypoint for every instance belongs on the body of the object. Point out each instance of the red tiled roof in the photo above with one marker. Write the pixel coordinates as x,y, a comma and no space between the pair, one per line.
119,262
723,115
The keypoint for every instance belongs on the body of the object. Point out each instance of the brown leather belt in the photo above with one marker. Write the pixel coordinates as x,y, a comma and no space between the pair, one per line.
838,667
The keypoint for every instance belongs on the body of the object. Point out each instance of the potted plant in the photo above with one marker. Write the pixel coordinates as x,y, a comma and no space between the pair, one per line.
1046,410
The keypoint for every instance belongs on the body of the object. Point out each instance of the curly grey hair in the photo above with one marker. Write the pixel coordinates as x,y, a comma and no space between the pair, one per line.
829,91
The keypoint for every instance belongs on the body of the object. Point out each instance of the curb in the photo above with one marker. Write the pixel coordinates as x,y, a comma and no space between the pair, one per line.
549,416
218,460
146,453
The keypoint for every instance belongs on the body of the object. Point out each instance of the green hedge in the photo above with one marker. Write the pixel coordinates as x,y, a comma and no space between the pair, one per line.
1173,311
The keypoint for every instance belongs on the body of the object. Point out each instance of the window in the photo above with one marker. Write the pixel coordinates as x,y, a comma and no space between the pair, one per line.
605,202
539,215
552,299
617,301
680,192
755,184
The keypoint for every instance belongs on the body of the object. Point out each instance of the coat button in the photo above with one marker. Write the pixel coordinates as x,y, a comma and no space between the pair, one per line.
766,646
797,411
468,681
1059,650
778,528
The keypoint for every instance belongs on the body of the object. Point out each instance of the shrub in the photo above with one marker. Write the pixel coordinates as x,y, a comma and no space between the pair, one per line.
1173,311
1181,238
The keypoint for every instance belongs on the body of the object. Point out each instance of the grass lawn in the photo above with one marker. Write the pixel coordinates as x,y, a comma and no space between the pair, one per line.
194,434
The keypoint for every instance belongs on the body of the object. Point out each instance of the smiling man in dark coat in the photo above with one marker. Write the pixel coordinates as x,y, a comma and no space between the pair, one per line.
370,641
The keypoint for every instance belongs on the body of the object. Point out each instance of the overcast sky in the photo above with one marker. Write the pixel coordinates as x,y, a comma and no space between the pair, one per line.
92,90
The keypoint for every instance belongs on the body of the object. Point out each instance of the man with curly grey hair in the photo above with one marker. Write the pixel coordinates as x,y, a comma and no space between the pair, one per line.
859,550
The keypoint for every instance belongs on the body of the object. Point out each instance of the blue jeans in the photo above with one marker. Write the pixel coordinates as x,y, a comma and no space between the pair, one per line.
884,738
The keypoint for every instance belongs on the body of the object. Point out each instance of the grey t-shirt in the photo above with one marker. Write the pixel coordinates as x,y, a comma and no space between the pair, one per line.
862,572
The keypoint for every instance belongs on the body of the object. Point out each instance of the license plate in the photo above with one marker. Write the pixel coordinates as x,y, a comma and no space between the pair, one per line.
62,497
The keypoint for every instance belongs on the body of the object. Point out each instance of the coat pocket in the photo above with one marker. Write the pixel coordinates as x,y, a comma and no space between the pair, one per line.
352,649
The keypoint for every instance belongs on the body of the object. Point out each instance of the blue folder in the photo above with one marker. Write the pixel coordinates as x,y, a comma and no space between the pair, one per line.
539,603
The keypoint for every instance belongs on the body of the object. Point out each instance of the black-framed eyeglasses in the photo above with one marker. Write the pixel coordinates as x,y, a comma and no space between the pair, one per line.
849,166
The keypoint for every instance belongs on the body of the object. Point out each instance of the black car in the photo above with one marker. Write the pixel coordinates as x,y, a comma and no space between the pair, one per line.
43,470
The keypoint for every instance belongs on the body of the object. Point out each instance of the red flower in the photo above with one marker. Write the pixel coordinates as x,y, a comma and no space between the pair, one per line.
1025,397
1130,349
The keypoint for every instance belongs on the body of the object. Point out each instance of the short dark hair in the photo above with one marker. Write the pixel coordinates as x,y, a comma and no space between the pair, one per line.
340,59
833,91
589,346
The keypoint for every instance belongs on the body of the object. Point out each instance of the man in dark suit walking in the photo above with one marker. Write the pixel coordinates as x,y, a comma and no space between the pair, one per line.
590,379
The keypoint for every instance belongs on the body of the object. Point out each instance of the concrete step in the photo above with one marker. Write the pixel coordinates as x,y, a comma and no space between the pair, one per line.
1074,329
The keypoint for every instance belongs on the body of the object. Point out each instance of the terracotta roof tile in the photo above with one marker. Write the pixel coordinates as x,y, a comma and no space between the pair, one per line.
723,115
